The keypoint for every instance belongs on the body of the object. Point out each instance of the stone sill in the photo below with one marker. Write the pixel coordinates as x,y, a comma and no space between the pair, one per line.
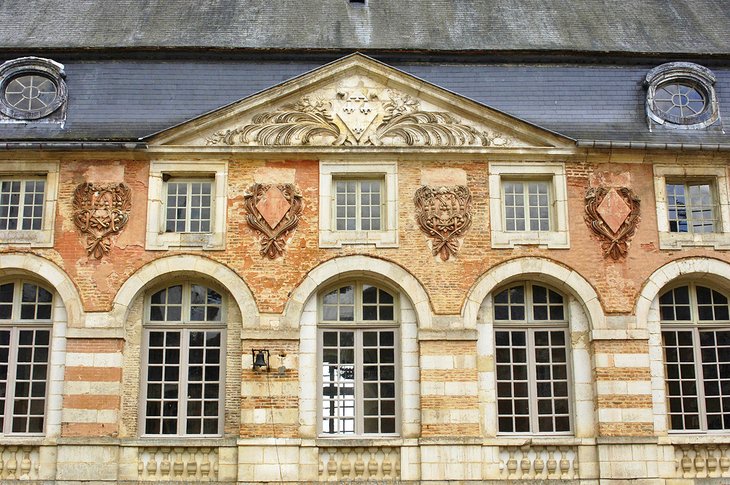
695,439
452,334
626,440
178,441
26,441
539,441
160,442
358,442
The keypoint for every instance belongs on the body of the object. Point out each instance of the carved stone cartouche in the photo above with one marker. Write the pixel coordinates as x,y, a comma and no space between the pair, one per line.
444,214
613,215
274,211
101,211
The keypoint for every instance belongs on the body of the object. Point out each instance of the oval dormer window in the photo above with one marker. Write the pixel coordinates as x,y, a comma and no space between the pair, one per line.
31,88
681,95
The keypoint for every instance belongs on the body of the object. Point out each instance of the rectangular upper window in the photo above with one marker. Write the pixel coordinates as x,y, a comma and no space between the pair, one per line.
21,203
358,204
187,205
28,203
692,206
528,205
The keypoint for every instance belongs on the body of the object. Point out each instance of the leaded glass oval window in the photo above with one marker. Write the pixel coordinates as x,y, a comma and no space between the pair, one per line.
32,88
30,93
681,95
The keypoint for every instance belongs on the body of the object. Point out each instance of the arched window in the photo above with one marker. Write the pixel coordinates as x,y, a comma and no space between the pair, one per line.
25,342
183,381
531,354
696,336
358,338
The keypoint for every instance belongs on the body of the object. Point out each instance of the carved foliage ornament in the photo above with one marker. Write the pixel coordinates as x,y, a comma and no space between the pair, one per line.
274,211
612,214
357,116
101,211
444,214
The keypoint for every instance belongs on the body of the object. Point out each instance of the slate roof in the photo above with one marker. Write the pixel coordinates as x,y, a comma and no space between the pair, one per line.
599,26
129,100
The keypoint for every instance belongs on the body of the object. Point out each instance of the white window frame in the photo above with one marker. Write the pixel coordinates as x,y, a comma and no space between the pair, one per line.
157,238
24,170
529,326
16,324
185,326
557,237
696,327
719,182
329,171
358,326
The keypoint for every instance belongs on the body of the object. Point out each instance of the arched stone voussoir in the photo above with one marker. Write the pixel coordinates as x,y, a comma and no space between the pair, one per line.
182,264
353,266
699,269
540,269
53,275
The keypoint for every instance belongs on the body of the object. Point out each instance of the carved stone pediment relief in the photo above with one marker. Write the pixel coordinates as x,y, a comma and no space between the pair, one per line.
612,213
274,212
444,214
358,111
101,211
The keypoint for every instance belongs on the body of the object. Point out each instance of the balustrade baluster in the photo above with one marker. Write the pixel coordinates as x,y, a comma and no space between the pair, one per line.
564,462
373,463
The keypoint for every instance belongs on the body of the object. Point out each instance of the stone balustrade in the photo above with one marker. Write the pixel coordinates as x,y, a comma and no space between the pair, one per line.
538,462
160,463
19,462
381,463
702,460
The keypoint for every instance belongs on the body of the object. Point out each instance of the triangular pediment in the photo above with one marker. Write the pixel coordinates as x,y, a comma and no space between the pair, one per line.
358,101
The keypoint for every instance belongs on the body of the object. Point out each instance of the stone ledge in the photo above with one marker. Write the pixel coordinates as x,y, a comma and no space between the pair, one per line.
455,334
637,334
270,334
110,333
626,440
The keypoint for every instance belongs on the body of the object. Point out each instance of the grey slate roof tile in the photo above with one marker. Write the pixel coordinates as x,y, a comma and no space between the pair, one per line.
127,100
647,26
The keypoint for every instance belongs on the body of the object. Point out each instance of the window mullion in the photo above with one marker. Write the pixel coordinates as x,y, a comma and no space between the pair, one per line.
10,383
532,379
358,206
699,372
525,206
21,204
359,419
182,390
188,205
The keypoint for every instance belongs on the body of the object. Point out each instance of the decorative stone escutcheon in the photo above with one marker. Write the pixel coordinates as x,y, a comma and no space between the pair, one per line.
274,211
101,211
444,214
612,213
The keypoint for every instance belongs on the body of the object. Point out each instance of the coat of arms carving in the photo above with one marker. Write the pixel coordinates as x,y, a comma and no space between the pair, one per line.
613,215
101,211
273,210
444,214
357,113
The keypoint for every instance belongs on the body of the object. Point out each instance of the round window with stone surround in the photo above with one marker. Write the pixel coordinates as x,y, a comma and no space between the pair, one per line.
681,95
31,88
